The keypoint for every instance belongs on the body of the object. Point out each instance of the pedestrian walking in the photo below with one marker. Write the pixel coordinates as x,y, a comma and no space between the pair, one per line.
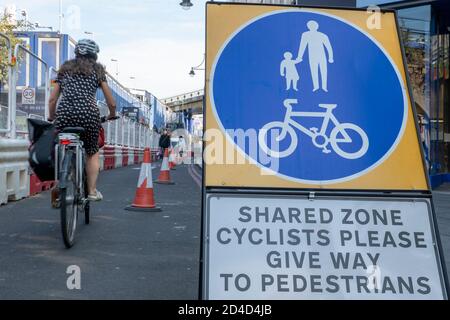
164,141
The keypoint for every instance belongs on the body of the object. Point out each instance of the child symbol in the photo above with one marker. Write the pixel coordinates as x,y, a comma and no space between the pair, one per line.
289,70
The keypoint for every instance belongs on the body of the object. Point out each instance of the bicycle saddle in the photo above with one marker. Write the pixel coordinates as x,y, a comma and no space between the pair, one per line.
328,106
75,130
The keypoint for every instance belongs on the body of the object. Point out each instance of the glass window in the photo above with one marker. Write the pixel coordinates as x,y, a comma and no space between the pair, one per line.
366,3
415,28
50,54
24,66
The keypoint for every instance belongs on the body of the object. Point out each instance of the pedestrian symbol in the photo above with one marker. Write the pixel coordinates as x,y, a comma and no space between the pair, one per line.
326,98
316,42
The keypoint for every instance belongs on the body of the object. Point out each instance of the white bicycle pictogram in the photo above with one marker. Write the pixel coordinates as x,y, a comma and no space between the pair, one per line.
319,137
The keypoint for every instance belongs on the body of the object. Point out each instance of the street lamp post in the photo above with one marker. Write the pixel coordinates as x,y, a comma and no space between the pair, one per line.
90,34
186,4
117,68
61,16
134,81
192,72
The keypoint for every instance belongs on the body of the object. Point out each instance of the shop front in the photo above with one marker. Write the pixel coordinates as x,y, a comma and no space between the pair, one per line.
425,28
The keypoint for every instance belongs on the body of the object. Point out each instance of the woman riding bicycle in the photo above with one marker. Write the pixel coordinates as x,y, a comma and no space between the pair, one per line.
77,82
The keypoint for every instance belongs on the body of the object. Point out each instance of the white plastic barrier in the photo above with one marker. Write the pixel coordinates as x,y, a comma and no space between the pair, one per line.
118,157
14,177
130,156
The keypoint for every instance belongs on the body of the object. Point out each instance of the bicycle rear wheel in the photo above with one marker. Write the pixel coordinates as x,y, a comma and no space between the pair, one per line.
69,199
87,206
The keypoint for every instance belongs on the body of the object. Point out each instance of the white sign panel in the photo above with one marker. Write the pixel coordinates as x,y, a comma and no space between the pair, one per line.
290,247
29,96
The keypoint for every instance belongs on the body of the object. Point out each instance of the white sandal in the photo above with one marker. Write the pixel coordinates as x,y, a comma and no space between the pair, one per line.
95,197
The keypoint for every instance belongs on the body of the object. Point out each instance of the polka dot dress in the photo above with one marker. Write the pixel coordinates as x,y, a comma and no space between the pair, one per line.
78,107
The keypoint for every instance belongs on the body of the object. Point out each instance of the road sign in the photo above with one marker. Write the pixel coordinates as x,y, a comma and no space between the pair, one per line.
292,247
28,96
301,108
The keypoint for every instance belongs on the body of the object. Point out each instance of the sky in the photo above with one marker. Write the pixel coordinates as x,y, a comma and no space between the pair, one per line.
154,41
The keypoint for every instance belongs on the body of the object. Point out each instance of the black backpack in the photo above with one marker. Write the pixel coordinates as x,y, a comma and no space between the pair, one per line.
42,150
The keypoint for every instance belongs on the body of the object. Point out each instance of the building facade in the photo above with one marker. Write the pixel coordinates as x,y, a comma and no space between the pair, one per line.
425,28
55,49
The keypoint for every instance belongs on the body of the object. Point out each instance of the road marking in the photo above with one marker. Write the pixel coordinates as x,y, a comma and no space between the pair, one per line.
194,176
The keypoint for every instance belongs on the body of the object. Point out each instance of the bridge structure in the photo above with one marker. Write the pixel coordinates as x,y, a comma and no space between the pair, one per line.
191,101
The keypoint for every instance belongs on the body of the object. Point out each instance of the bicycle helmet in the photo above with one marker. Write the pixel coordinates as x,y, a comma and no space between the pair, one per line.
87,47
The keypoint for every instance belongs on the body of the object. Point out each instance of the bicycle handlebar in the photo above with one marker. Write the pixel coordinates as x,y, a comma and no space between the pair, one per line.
289,102
105,119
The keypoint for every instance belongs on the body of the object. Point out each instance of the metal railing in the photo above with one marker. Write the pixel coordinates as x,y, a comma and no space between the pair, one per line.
126,132
5,120
13,91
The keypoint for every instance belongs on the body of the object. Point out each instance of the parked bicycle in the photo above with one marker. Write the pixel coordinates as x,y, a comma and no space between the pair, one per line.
338,136
70,160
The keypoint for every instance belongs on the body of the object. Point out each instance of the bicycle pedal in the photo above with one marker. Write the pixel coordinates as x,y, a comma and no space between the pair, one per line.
314,129
326,151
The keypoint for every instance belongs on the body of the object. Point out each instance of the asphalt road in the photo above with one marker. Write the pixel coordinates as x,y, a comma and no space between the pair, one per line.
121,254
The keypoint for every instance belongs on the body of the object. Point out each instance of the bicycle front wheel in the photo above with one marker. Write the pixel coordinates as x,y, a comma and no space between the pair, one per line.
279,131
349,129
69,199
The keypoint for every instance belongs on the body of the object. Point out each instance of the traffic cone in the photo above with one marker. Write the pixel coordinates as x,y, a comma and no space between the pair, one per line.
172,165
164,176
144,199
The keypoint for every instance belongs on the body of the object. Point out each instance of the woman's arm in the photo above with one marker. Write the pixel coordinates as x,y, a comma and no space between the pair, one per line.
109,99
53,101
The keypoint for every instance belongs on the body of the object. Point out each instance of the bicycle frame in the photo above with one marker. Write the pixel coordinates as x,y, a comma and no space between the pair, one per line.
326,115
60,152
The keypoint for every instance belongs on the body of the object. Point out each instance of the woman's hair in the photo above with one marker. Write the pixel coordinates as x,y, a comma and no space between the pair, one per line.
82,65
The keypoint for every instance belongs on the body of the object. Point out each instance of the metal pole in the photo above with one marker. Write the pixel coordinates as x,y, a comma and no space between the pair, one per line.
61,16
10,84
13,98
47,93
108,134
132,143
139,137
116,133
129,132
123,132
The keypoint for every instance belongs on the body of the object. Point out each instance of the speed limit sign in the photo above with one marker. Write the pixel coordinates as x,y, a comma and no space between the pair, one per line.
29,96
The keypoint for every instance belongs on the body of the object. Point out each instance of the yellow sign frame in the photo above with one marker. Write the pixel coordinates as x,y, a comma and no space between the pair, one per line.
403,170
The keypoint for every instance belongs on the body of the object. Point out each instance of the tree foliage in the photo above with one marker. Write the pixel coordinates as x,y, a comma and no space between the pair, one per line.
8,29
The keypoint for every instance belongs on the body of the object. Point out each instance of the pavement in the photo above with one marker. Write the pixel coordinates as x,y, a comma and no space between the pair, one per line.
121,254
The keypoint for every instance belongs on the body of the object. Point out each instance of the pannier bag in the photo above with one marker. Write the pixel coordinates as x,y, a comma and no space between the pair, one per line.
42,150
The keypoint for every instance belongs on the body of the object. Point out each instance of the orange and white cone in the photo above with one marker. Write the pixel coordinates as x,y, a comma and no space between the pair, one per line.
164,176
144,199
172,164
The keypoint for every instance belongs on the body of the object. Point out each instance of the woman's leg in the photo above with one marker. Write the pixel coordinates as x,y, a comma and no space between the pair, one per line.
92,170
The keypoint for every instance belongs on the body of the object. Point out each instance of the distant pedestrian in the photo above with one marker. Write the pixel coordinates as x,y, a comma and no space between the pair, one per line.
181,146
164,141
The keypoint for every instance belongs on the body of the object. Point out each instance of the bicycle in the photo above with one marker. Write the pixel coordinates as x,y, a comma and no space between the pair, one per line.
70,173
318,137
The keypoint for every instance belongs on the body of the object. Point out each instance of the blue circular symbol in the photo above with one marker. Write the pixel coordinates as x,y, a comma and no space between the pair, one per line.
321,99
